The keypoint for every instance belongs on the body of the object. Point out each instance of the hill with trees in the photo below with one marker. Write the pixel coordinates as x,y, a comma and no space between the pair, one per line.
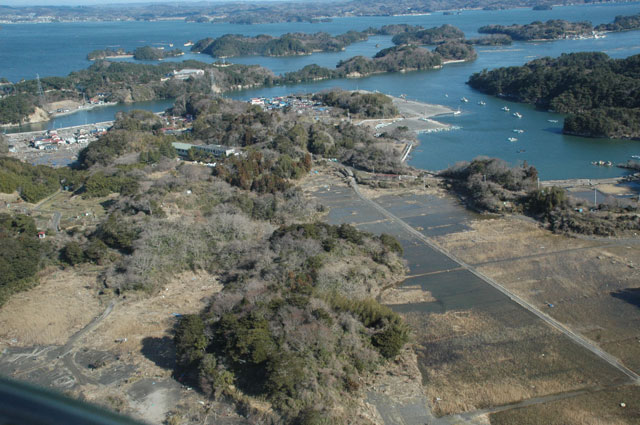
598,93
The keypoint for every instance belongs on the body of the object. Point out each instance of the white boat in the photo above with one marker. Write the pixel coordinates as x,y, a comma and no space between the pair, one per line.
482,103
517,130
512,139
464,99
458,112
554,121
517,114
635,156
188,43
504,108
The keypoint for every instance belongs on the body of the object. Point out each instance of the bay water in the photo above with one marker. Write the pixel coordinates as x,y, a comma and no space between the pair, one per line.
59,48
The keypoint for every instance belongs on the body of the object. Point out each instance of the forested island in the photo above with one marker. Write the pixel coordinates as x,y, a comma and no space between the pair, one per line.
232,45
553,29
130,82
556,29
598,93
445,34
435,35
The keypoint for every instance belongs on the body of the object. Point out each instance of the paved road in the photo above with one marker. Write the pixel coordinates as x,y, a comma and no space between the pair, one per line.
578,339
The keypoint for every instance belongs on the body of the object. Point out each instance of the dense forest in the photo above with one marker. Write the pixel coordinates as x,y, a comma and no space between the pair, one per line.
599,93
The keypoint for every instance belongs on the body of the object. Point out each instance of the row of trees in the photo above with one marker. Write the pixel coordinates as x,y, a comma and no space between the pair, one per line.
491,185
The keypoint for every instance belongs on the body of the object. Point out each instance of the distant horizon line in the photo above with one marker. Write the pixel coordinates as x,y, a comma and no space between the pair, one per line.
83,3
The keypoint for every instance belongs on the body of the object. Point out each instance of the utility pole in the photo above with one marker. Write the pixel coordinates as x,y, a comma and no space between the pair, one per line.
595,194
40,91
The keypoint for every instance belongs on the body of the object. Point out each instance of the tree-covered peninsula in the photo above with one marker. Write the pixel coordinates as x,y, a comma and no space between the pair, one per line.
621,23
108,53
393,59
600,94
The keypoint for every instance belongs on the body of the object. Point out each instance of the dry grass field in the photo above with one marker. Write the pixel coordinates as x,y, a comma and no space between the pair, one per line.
590,285
50,313
473,360
597,408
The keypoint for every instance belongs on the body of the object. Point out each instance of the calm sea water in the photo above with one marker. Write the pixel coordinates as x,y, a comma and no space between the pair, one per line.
57,49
